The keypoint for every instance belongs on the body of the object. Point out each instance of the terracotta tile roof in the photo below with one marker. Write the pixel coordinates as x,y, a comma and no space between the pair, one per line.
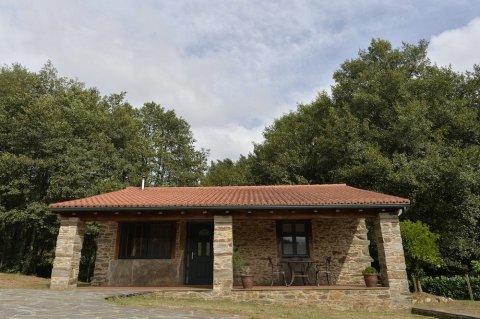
235,197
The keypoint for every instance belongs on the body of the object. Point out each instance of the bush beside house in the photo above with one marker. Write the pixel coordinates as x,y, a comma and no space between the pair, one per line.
453,287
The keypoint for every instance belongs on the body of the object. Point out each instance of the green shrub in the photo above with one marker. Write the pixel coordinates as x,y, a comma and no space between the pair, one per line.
454,287
369,270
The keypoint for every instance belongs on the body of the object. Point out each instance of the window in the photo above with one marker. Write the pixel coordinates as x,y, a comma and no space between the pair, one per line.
294,238
147,240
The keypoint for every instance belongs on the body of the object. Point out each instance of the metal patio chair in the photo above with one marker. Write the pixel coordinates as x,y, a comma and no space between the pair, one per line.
324,271
276,271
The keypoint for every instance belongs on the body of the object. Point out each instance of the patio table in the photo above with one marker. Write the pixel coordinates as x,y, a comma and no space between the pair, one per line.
299,269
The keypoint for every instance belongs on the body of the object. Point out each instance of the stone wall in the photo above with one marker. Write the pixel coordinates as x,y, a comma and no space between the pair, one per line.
67,253
335,298
255,240
106,244
344,240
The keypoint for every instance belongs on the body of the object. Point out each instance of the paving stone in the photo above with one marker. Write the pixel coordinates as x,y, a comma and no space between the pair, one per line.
29,303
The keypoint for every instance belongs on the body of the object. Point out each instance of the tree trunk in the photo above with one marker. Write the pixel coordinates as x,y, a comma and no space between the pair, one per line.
470,292
414,281
31,253
419,285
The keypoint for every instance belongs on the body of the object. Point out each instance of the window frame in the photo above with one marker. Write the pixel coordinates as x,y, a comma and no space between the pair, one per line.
294,234
122,237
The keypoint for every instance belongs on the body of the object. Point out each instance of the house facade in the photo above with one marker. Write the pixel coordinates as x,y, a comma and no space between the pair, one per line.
185,237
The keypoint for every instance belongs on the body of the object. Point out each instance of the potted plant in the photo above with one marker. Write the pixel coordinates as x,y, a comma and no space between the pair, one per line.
241,267
370,275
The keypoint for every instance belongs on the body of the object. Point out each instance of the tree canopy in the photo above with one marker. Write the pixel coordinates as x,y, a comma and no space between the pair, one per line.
395,123
60,140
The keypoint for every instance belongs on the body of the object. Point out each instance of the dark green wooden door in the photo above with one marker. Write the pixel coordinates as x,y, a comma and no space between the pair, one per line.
199,258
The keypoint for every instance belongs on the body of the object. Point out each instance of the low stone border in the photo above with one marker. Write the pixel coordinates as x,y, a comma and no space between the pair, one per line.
338,299
441,314
129,294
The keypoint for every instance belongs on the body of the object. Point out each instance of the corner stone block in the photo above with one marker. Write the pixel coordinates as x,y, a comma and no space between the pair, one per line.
67,253
222,252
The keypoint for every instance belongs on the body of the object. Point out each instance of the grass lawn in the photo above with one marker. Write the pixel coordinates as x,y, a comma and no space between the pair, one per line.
10,281
458,306
256,311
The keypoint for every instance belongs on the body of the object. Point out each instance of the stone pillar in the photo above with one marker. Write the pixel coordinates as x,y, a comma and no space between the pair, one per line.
222,254
106,244
68,253
391,258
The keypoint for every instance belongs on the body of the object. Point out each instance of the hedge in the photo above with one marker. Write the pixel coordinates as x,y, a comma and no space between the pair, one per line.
453,287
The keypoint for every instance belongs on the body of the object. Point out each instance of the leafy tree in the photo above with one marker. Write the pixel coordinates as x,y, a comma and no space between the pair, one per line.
395,123
172,158
421,249
60,140
476,266
228,173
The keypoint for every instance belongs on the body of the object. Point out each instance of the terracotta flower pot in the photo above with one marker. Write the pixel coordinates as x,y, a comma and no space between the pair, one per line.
247,281
370,280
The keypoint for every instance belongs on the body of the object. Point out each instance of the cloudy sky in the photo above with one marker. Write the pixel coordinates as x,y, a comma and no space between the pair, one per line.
228,67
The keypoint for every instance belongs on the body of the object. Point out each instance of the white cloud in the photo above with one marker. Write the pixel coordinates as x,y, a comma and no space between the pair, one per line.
458,47
228,67
231,139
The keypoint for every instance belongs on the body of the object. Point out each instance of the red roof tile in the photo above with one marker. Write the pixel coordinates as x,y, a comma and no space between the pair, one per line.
235,197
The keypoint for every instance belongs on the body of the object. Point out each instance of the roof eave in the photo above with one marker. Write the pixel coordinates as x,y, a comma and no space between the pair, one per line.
227,207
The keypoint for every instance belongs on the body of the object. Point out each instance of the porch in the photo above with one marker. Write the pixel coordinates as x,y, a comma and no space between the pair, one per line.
176,248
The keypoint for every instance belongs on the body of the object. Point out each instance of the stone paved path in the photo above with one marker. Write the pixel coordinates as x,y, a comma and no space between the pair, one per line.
24,303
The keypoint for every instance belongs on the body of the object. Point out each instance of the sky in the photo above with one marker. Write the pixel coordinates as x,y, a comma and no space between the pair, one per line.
229,68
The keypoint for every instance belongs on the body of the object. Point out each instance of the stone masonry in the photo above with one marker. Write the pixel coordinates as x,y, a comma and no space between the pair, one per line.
105,251
360,298
255,240
344,240
222,254
391,258
67,253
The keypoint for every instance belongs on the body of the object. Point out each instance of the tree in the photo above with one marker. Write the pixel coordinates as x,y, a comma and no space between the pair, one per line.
421,250
172,159
59,141
228,173
393,123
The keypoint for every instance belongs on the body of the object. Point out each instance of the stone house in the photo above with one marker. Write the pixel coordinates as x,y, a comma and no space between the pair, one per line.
183,237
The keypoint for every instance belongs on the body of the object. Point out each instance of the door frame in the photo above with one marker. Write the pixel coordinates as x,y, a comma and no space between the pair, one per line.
189,225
